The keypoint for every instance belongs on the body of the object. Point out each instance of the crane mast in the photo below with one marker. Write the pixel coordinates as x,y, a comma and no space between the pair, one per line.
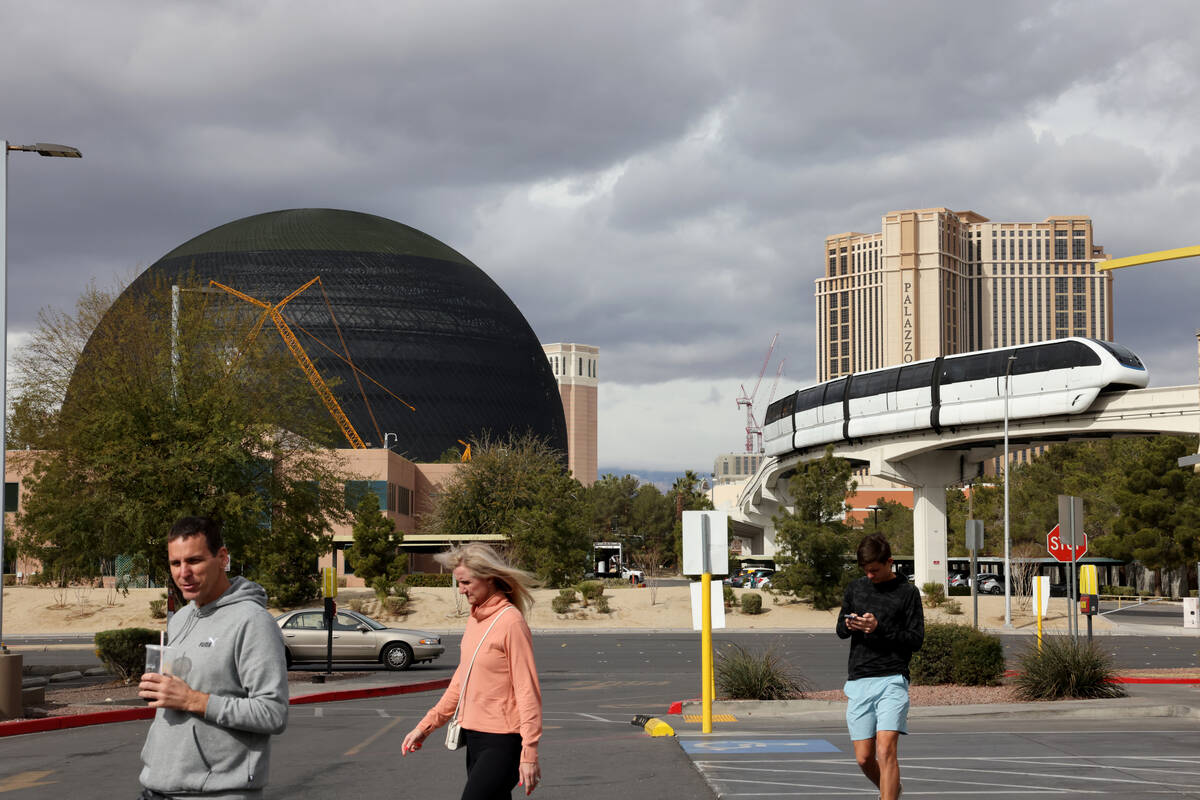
753,429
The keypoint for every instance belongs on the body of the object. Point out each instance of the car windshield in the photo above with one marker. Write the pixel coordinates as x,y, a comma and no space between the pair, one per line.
369,622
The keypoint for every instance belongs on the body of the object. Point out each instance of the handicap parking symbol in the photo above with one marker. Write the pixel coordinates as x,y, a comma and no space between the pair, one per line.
756,746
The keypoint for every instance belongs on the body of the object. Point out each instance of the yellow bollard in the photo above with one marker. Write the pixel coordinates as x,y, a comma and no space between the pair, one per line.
706,657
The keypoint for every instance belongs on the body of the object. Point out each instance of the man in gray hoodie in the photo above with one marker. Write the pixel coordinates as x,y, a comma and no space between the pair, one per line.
225,689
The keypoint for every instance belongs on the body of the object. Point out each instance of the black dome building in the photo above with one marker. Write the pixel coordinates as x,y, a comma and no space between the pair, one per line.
416,316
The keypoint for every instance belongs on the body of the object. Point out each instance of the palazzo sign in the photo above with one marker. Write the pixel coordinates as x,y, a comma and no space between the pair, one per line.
907,325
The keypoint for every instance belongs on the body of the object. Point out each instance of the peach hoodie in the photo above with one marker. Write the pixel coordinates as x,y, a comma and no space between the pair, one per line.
503,693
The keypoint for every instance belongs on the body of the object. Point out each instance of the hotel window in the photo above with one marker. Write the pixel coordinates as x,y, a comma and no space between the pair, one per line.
1060,245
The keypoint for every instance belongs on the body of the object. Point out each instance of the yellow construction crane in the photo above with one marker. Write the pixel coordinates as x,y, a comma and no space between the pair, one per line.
466,456
306,364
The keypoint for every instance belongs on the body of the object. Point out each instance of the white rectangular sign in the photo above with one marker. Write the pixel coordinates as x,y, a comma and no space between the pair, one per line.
1041,596
718,605
694,525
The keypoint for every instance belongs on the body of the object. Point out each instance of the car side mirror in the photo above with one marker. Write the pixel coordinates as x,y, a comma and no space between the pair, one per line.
363,628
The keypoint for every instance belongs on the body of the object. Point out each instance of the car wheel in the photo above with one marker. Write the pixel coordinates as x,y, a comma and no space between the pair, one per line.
397,656
287,654
997,590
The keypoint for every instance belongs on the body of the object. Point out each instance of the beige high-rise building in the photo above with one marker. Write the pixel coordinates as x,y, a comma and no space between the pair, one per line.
935,282
576,368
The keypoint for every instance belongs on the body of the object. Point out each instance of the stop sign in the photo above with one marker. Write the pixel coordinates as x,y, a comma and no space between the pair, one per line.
1061,551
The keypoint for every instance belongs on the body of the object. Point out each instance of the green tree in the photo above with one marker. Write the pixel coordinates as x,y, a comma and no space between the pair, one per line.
813,543
149,427
895,521
1160,517
653,519
518,487
687,494
376,549
611,499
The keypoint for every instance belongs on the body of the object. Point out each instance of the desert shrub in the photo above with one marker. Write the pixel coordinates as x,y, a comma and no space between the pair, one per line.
958,654
357,604
615,583
590,590
567,593
602,605
751,603
40,579
1066,668
935,593
560,605
727,594
158,609
959,591
1118,591
429,579
10,579
395,605
123,651
380,586
953,607
744,674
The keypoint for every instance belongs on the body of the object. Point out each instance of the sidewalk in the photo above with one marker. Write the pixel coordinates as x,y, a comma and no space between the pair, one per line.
1142,700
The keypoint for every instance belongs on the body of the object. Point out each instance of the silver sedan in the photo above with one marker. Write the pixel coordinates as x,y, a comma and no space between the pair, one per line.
356,638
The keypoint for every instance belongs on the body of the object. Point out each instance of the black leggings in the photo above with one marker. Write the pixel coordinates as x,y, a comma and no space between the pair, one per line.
493,765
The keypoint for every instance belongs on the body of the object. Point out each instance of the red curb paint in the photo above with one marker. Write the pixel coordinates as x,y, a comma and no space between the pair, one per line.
21,726
677,706
1173,681
374,691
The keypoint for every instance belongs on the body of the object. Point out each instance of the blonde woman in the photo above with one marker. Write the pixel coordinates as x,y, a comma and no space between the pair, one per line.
501,710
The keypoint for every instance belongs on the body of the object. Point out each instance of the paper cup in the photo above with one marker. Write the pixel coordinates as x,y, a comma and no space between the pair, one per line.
158,659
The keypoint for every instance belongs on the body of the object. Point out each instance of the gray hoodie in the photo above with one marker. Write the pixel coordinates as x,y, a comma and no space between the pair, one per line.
231,649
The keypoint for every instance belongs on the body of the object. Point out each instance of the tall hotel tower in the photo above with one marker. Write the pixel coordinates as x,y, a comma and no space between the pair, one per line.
935,282
576,367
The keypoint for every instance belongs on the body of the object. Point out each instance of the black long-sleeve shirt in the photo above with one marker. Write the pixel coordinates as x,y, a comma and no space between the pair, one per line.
896,604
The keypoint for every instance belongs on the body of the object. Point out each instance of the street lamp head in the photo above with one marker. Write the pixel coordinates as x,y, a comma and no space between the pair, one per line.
48,149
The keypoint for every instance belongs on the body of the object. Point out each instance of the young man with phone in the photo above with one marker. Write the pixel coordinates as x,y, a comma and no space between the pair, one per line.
881,616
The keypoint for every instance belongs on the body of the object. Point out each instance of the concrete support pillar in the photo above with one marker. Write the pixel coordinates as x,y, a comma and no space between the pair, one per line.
10,683
929,534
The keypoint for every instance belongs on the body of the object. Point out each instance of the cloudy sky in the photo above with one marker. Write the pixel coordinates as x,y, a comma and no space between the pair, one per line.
652,178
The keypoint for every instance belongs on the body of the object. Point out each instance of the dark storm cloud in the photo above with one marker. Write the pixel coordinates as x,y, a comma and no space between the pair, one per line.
656,179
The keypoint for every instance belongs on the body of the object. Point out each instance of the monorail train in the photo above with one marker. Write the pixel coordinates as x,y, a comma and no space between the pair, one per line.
1063,376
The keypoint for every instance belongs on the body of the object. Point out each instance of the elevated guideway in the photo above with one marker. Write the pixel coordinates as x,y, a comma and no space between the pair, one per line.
929,462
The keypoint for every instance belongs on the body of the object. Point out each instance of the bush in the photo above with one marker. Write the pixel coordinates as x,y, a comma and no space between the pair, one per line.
728,596
10,579
357,604
429,579
381,586
935,593
751,603
395,605
602,605
560,605
744,674
158,609
123,651
959,591
1118,591
567,593
1065,668
958,654
590,590
953,607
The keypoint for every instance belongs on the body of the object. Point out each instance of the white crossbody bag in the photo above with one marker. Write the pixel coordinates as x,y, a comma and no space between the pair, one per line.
454,731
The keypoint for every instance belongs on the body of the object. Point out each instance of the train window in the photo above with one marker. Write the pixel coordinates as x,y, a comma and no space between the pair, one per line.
809,398
1056,355
835,391
784,407
1124,355
915,376
975,367
873,383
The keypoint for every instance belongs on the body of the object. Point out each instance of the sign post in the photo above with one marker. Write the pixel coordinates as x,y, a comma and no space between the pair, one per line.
1041,602
974,544
1070,520
329,590
705,548
1089,594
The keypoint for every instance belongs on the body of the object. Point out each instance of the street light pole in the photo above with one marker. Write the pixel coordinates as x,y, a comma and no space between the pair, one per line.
42,149
1007,561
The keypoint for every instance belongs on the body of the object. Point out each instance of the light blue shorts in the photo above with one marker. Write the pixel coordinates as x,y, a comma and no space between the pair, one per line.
876,704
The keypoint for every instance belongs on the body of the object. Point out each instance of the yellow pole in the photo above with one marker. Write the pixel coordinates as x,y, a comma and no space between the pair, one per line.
706,657
1037,604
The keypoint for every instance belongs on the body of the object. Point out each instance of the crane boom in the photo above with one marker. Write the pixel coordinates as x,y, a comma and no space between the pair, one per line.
306,364
753,429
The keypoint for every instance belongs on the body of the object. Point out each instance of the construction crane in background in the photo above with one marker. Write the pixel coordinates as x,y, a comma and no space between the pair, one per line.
306,364
753,429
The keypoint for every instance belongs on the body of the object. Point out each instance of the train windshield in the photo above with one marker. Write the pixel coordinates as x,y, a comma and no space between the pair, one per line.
1125,356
